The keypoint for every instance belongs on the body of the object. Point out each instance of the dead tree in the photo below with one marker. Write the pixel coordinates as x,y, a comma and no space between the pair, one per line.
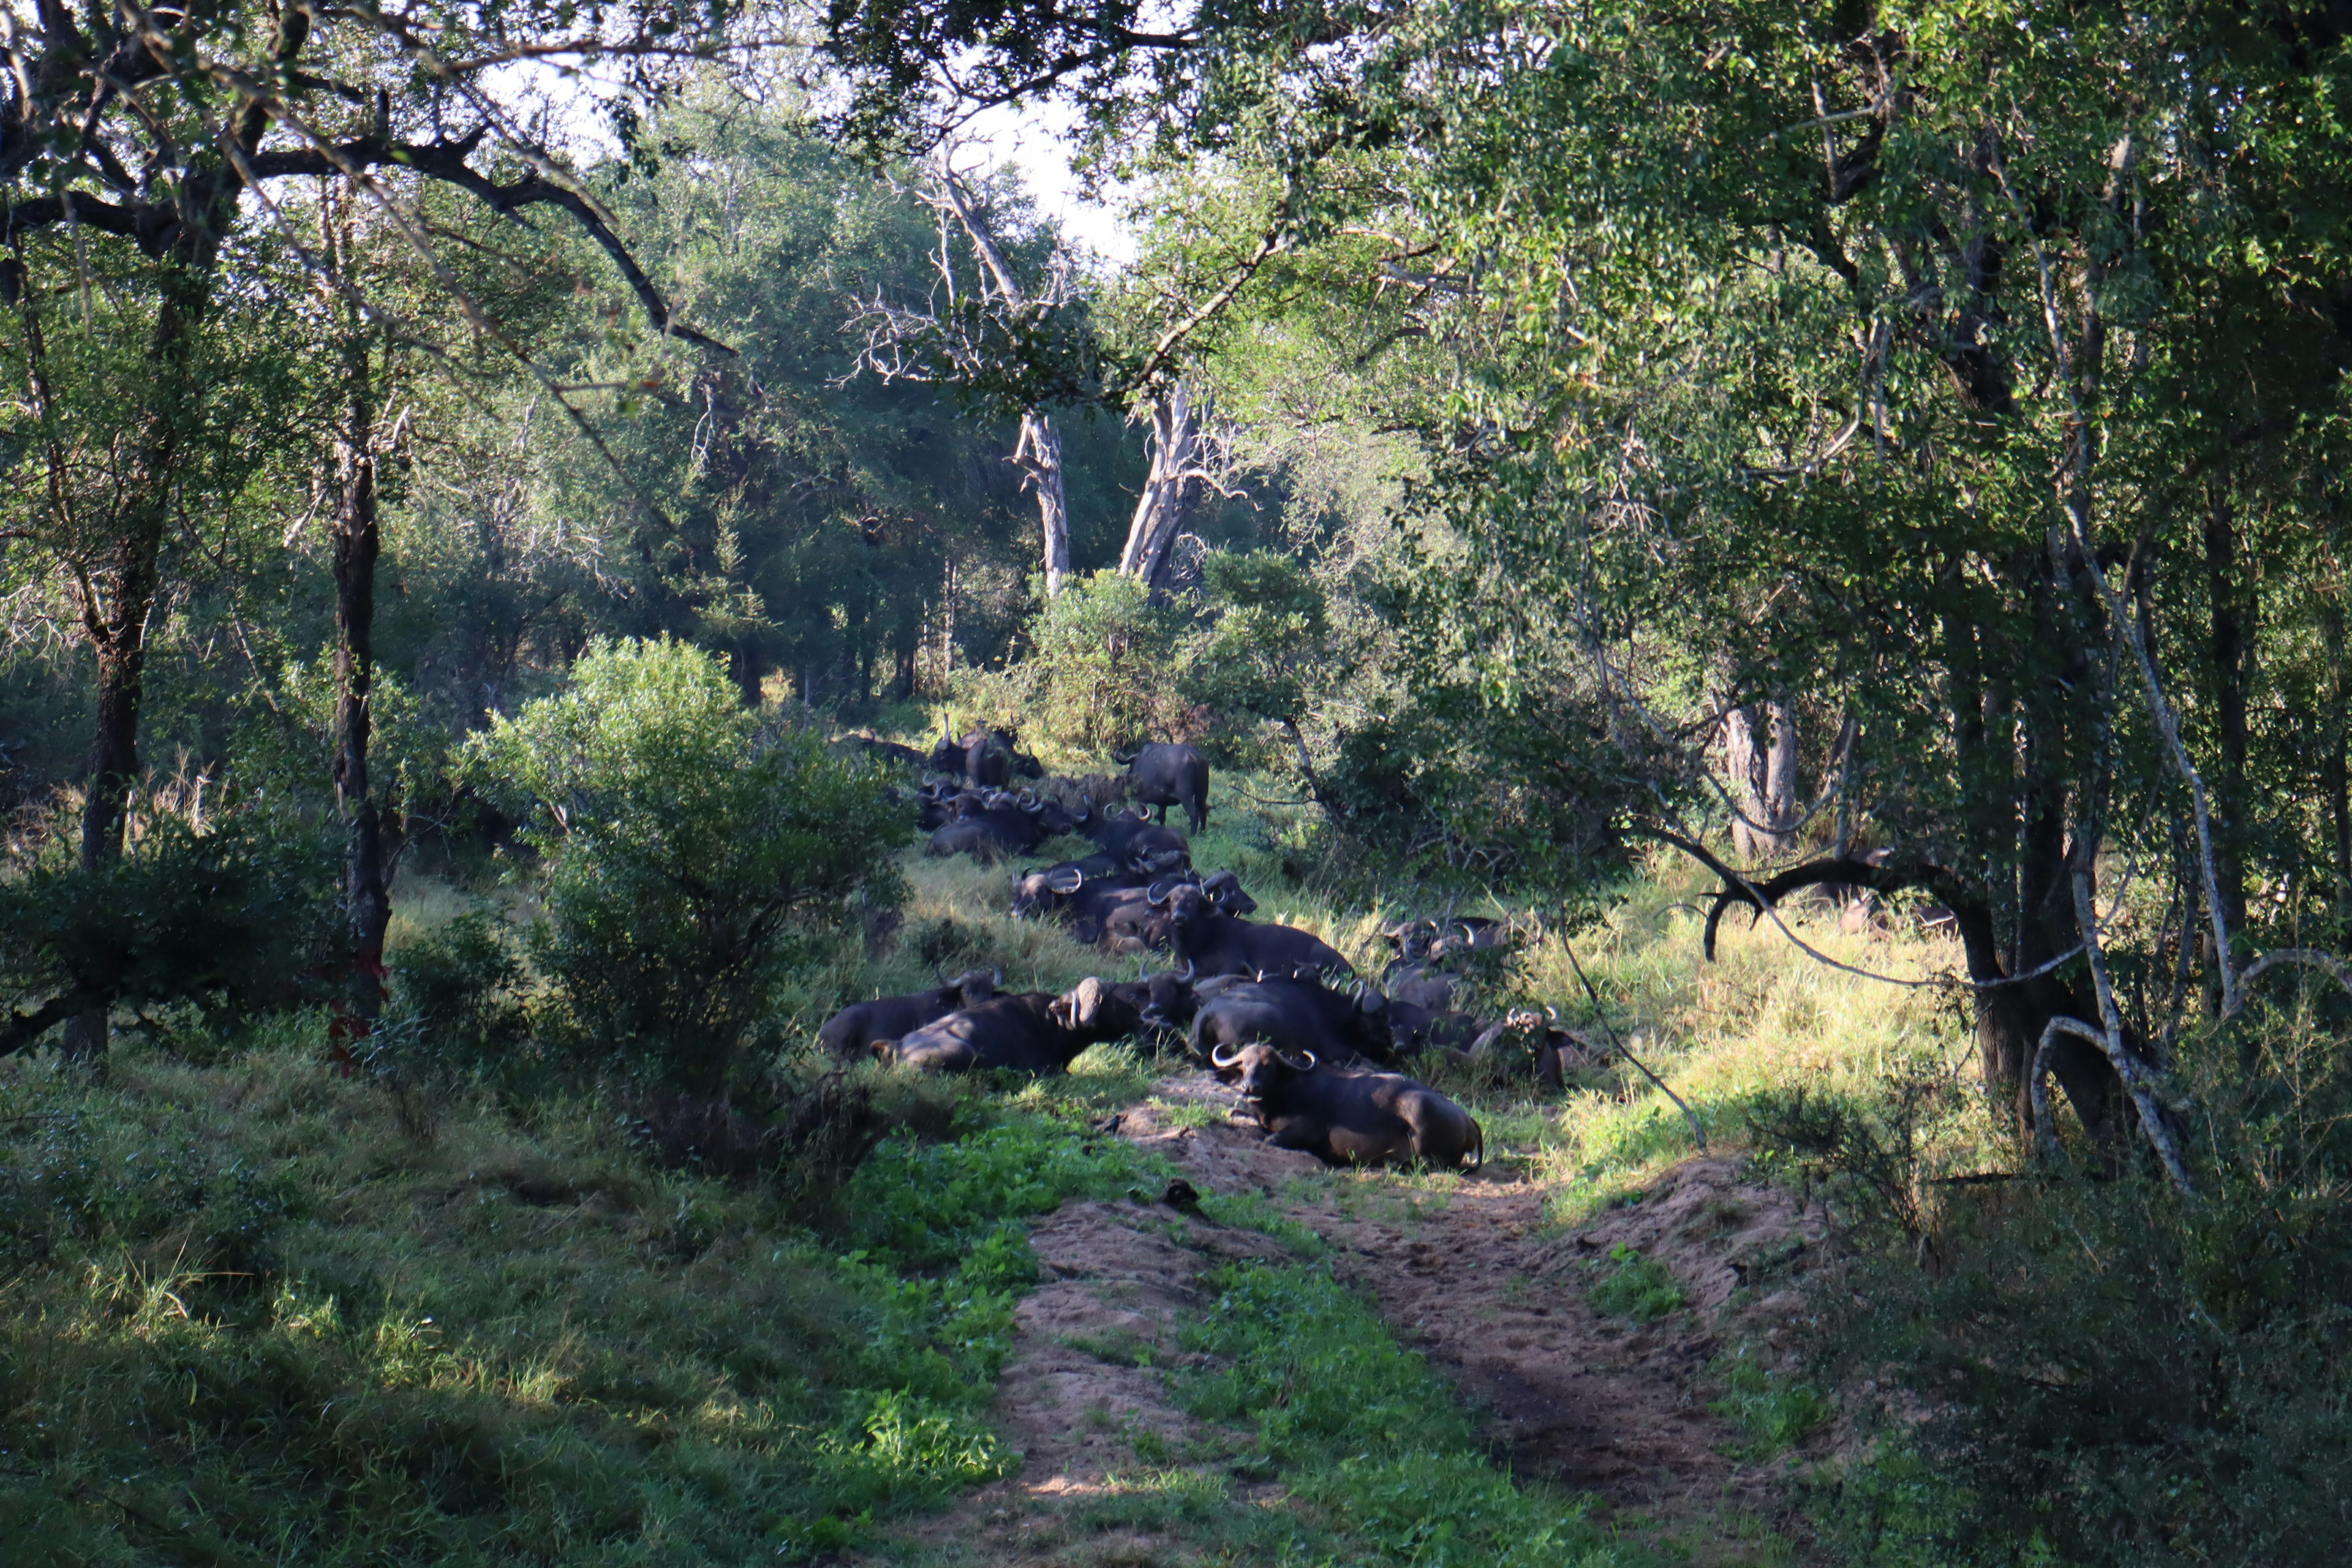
1189,454
962,336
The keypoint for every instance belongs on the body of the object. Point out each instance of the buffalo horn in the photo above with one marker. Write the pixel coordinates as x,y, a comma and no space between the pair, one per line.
1064,879
1224,1056
1292,1062
1160,892
1187,976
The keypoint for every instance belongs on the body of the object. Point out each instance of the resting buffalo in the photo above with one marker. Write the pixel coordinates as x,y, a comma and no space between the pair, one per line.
1421,984
1139,918
1530,1038
1163,1003
1164,775
1351,1117
1217,944
1429,941
1050,891
1005,825
855,1029
1034,1032
886,751
1415,1027
1138,841
1294,1016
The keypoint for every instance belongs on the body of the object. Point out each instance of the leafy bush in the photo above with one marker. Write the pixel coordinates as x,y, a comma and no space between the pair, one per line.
2109,1371
690,855
459,992
1774,1408
229,918
1264,655
1097,676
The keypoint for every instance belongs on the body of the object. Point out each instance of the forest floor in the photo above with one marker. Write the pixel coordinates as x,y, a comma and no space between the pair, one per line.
1477,1272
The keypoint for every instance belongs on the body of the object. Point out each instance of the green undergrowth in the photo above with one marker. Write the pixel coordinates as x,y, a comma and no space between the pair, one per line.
1628,1285
260,1312
1375,1445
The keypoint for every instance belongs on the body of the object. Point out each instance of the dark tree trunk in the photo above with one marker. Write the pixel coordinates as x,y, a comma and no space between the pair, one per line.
367,897
117,593
2232,637
902,685
2336,760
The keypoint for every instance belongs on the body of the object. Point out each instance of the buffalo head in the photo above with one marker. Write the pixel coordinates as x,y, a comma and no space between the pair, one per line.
1225,889
1265,1072
1091,1009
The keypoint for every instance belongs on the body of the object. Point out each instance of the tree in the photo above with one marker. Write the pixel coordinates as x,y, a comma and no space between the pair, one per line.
1921,360
140,138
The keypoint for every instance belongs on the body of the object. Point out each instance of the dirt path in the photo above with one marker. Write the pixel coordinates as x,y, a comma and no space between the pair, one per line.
1470,1270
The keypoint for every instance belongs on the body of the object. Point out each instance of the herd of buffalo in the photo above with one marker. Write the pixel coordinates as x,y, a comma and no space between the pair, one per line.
1313,1050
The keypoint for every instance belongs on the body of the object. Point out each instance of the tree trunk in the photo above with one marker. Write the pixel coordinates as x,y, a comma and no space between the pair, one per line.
117,595
1169,487
2232,634
367,897
1039,453
1763,776
2336,760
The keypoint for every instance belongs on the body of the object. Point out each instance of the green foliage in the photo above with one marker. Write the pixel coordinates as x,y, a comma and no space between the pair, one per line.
1098,677
228,917
1775,1409
691,857
1629,1285
1265,653
460,991
1362,1428
2112,1373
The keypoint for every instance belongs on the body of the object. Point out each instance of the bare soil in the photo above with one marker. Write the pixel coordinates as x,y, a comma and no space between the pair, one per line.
1472,1270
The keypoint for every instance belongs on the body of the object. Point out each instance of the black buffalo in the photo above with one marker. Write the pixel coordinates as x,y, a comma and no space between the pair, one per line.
1214,942
987,758
1432,940
1415,1027
1051,890
1164,1003
1131,919
1034,1032
1137,840
1005,825
854,1029
1351,1117
1528,1039
1294,1016
1164,775
886,751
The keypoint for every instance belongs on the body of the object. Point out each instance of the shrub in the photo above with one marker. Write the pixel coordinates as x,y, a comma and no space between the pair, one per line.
459,992
228,919
1097,680
691,857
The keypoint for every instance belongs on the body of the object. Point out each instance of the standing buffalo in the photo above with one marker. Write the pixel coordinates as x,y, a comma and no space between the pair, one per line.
987,758
1217,944
1351,1117
1035,1032
855,1029
1164,775
1294,1016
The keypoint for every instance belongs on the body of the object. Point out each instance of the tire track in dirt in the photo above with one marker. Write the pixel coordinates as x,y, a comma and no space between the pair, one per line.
1471,1271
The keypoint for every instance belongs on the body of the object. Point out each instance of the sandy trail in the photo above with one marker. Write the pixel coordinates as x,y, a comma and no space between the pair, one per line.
1468,1269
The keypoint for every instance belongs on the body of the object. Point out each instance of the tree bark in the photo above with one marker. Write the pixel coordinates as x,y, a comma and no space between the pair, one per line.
2336,762
1759,743
116,593
2233,633
1039,453
1169,487
367,897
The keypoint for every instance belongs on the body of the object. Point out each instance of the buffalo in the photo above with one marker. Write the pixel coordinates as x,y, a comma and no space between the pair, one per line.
1164,775
1415,1027
987,758
1524,1038
1214,942
1164,1003
1294,1016
1051,890
1431,940
1421,985
1003,825
1351,1117
1131,919
1035,1032
855,1029
886,752
1137,840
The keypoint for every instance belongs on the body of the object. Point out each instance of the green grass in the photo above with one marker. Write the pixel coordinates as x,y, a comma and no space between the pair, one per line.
1628,1285
254,1317
1773,1408
1365,1434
